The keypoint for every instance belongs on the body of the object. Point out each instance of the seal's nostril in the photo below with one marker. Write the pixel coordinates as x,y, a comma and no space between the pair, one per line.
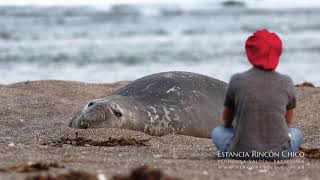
91,103
84,125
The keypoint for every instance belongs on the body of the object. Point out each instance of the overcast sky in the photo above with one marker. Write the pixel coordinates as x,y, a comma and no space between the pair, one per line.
252,3
86,2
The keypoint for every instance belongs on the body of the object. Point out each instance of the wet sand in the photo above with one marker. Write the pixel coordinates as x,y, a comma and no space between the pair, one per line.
33,114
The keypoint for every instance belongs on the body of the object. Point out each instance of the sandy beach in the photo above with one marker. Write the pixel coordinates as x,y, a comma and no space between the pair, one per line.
34,114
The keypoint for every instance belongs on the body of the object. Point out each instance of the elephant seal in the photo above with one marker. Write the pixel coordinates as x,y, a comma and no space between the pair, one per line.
170,102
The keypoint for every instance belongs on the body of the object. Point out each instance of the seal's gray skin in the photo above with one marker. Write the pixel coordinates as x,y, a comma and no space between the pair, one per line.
170,102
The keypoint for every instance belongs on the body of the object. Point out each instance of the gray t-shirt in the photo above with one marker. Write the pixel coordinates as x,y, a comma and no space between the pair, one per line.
260,100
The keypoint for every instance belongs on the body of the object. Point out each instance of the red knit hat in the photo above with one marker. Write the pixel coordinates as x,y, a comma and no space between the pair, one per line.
263,49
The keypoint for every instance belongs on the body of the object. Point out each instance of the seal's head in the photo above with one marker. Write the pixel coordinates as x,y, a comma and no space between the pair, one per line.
112,112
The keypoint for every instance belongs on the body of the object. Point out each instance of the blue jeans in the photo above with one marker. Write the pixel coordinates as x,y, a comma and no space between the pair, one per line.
222,137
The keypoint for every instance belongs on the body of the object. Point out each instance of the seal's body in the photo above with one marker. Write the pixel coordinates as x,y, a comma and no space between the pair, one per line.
170,102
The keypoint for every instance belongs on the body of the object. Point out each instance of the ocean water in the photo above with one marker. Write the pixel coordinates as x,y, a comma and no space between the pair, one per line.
105,44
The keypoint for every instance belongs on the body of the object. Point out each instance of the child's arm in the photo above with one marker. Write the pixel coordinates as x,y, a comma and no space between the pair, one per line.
289,117
291,104
228,115
229,103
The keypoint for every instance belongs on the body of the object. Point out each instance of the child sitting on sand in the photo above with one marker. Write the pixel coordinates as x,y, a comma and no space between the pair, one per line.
261,101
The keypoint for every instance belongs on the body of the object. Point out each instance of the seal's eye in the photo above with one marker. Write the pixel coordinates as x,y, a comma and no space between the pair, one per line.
91,103
117,113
